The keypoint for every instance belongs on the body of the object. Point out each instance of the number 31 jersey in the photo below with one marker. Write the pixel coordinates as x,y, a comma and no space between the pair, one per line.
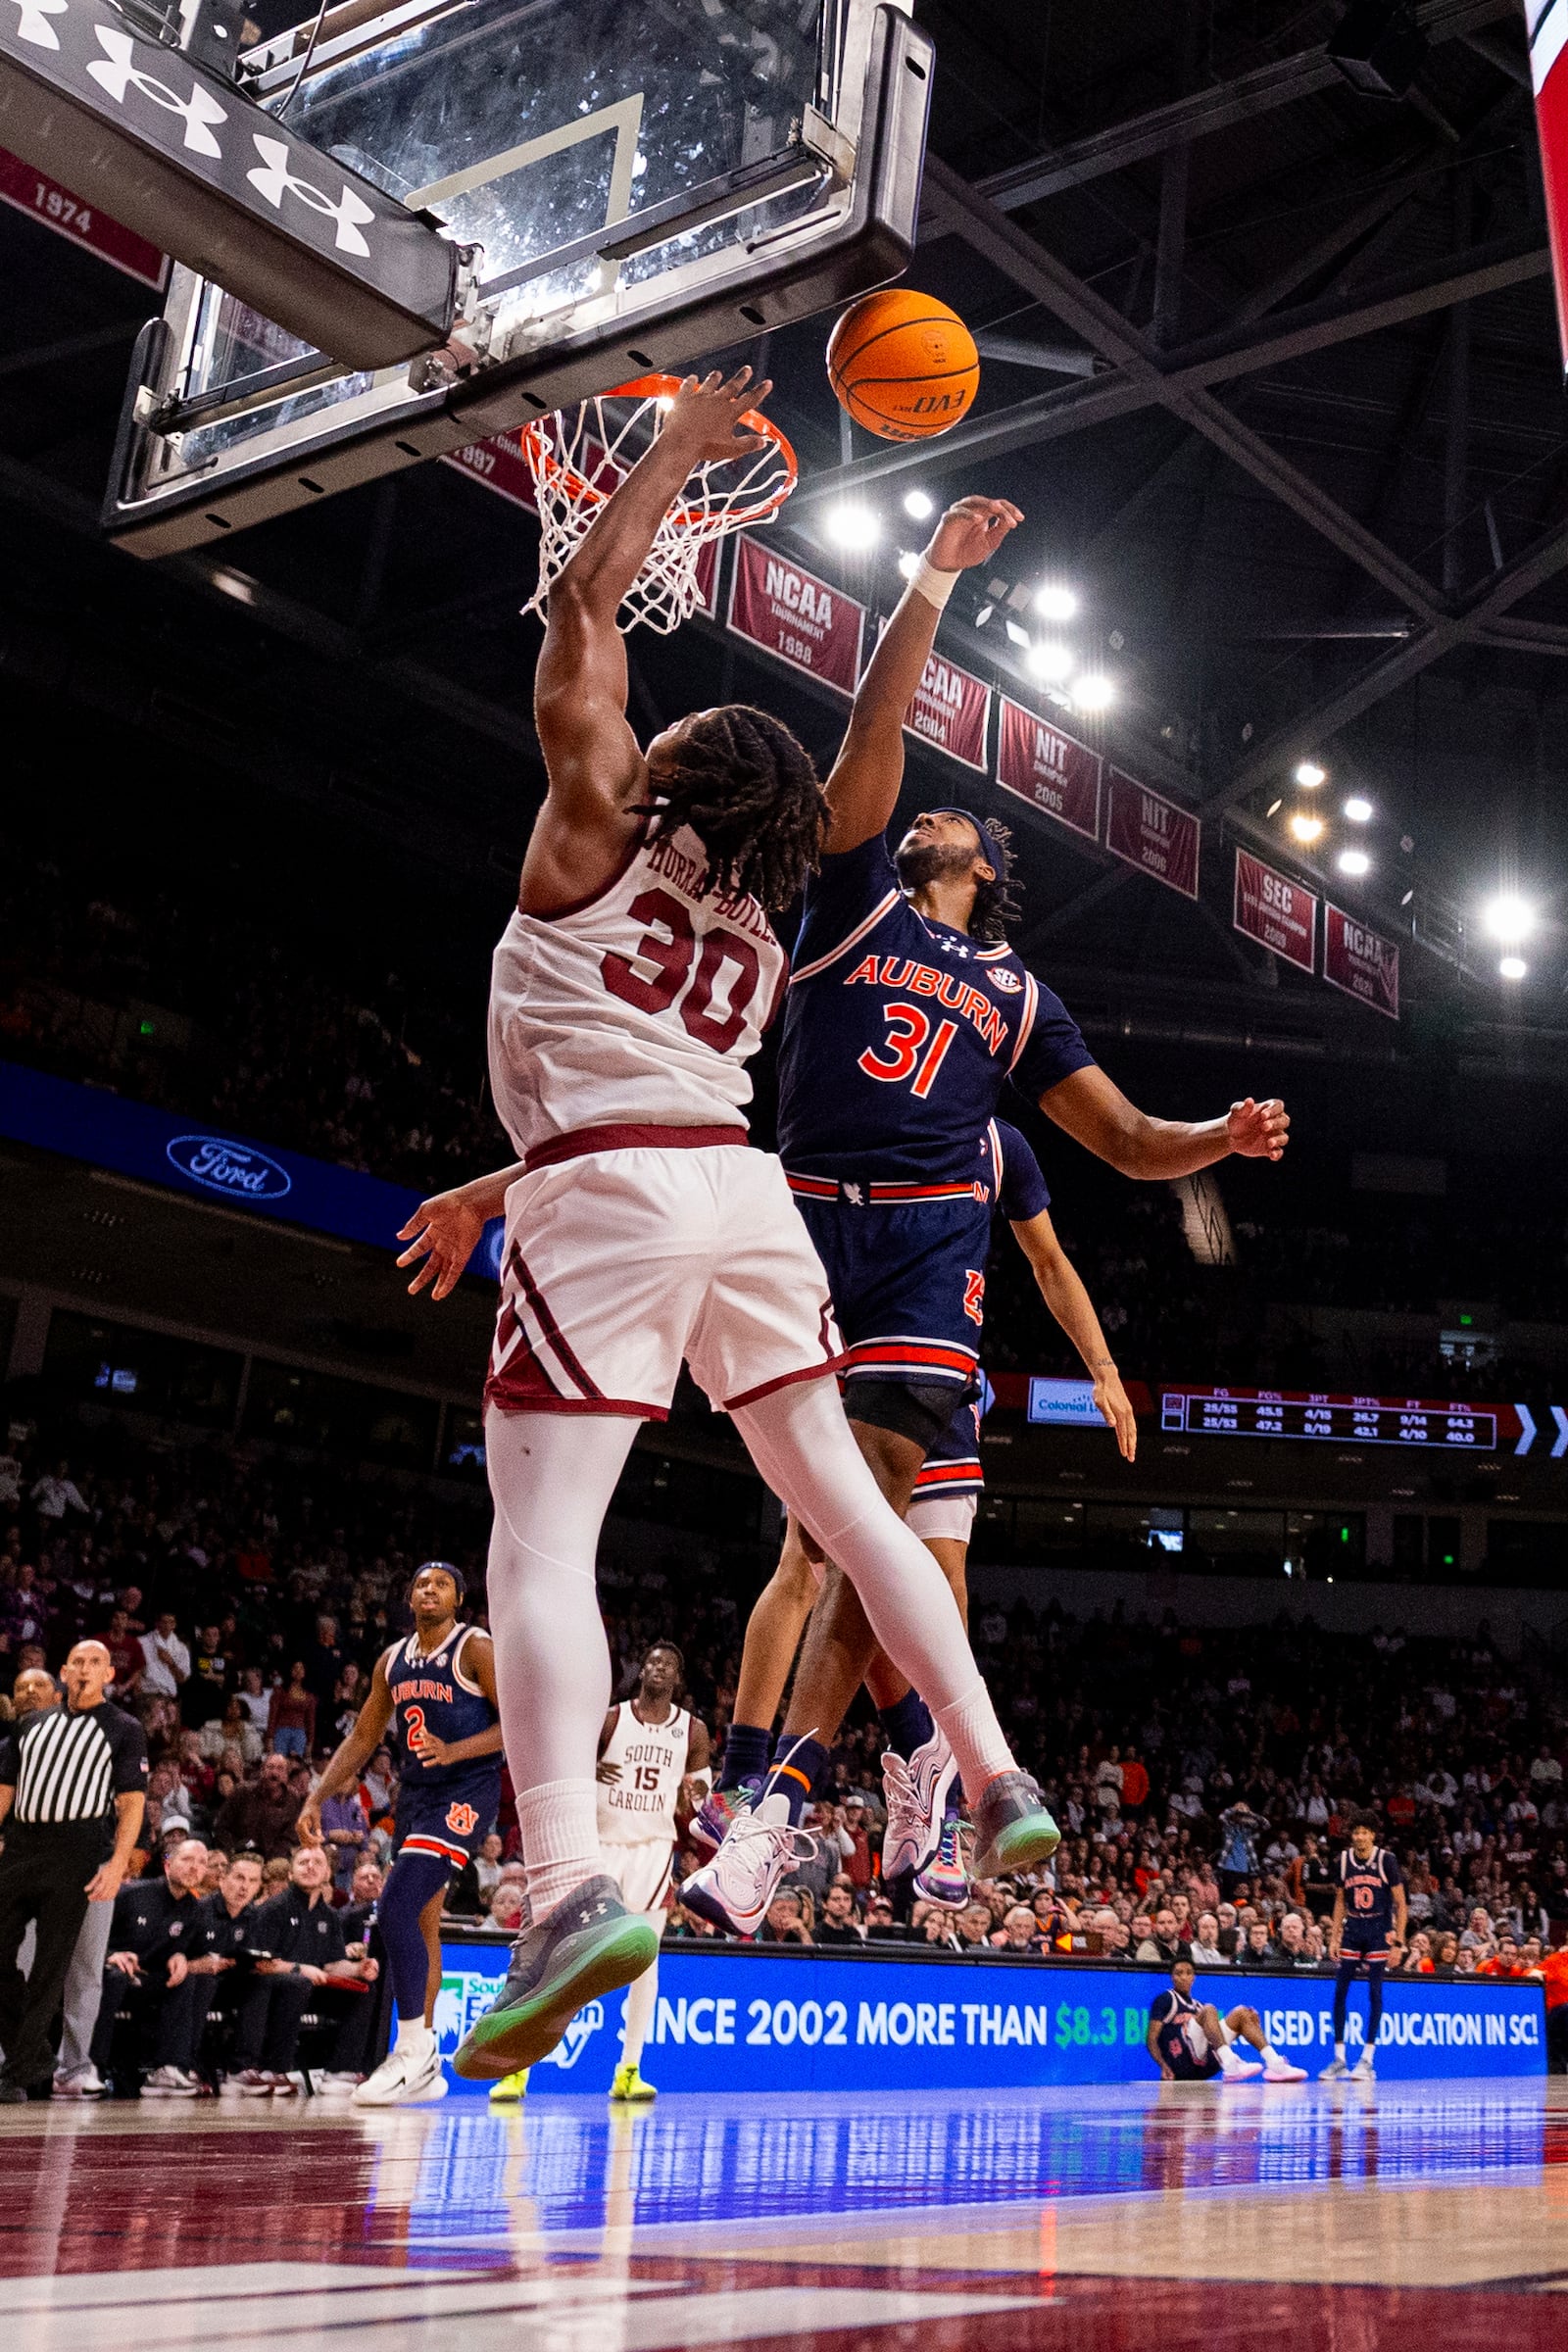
898,1033
638,1006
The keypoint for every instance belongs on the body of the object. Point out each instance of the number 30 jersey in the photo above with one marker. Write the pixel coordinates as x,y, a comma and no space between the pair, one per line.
898,1033
637,1008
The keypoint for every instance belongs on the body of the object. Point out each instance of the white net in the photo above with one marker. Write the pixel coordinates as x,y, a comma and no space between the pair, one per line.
579,457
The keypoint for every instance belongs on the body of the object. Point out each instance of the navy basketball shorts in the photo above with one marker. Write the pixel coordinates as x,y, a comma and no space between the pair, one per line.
908,1291
1365,1943
451,1822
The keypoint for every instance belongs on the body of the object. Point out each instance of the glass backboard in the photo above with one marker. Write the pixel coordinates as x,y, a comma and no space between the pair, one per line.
632,189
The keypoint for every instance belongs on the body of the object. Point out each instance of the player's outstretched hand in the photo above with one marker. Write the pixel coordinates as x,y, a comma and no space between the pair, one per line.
1110,1400
444,1231
1258,1130
707,415
970,532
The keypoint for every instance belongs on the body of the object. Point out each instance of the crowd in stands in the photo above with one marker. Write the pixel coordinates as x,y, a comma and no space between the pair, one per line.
1202,1778
385,1071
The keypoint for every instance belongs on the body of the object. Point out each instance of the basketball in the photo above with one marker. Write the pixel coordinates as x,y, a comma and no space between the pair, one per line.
902,365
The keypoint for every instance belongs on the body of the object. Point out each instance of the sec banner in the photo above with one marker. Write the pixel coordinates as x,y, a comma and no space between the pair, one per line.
1275,911
796,615
1153,834
1361,961
775,2022
1039,764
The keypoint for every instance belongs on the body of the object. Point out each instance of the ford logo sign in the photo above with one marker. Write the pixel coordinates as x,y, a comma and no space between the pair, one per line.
238,1169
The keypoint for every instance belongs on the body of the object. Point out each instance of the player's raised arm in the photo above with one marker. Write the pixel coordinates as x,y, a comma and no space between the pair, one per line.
1096,1113
863,787
597,773
1062,1289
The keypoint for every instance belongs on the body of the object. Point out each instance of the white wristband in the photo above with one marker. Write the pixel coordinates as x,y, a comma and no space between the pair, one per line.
935,586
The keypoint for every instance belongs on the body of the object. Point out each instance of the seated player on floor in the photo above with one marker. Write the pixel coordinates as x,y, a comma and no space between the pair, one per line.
1191,2043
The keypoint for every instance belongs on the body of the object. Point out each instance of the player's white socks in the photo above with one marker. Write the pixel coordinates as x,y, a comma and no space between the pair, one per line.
559,1822
641,1994
414,2034
801,1442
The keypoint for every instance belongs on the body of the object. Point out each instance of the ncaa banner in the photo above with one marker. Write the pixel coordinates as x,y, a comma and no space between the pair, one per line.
1361,961
951,711
1275,911
771,2022
1038,763
1547,25
1144,830
794,615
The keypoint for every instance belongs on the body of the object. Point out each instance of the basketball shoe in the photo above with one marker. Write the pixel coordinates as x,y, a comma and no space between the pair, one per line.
631,2088
1011,1826
589,1944
720,1808
735,1889
510,2089
916,1792
410,2069
1365,2069
943,1879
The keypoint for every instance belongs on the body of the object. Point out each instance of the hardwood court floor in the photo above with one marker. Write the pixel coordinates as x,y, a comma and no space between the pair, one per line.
1342,2220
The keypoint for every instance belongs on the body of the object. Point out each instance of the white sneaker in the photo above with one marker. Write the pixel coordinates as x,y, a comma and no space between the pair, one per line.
170,2082
1336,2071
330,2084
1240,2070
412,2073
252,2082
1280,2070
917,1793
85,2082
1365,2068
736,1887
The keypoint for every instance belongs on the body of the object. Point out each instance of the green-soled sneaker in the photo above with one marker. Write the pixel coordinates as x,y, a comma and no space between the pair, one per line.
1011,1826
588,1945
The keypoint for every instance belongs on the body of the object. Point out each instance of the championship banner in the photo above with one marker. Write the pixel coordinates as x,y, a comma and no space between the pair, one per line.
1038,763
951,711
497,465
1153,834
1362,962
1272,909
1546,25
794,615
44,200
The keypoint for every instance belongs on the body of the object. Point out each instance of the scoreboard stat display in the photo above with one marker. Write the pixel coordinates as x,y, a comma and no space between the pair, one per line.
1353,1420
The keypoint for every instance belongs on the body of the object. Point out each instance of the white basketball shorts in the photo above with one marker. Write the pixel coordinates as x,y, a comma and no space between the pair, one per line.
618,1265
944,1516
642,1872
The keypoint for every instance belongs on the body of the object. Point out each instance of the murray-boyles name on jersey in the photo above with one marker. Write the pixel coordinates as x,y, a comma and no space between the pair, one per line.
898,1033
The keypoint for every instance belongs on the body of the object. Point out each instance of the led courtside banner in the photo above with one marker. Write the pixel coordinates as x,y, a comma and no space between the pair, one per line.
773,2022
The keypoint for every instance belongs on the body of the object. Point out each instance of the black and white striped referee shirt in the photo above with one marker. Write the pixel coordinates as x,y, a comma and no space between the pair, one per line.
68,1768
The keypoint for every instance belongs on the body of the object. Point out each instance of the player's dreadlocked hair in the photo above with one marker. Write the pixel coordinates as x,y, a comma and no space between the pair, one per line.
750,792
997,904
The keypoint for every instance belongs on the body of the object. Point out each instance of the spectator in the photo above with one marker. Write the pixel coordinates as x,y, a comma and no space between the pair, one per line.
346,1831
255,1702
204,1694
788,1918
1204,1947
840,1922
165,1661
506,1907
1163,1945
487,1866
1018,1931
55,1494
291,1720
260,1818
880,1925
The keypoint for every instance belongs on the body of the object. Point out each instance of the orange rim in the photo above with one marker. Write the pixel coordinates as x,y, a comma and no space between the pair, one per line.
581,489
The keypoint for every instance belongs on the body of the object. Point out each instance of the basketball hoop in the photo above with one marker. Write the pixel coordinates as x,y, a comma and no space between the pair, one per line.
579,457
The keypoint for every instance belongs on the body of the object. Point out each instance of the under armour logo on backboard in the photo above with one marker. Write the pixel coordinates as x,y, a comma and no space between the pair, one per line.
34,25
199,110
276,180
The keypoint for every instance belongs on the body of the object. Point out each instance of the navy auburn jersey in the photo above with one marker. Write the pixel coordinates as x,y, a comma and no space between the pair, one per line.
899,1032
1369,1893
1179,2035
430,1693
952,1466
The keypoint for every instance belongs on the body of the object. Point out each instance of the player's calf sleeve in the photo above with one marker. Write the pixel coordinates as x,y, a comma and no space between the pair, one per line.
800,1443
1374,2002
1342,1997
413,1880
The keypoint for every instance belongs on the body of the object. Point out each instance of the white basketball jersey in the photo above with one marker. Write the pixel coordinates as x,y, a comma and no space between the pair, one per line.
641,1804
638,1008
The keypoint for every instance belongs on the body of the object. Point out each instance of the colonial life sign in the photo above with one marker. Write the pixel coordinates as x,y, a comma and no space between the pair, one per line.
794,615
1361,961
1272,909
1153,834
1046,768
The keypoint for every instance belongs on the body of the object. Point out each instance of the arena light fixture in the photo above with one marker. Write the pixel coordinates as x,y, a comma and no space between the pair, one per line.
918,506
1358,811
1509,918
852,527
1309,775
1094,693
1355,862
1512,967
1305,828
1053,602
908,563
1052,661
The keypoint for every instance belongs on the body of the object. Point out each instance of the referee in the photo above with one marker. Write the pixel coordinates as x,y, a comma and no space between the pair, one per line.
72,1784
